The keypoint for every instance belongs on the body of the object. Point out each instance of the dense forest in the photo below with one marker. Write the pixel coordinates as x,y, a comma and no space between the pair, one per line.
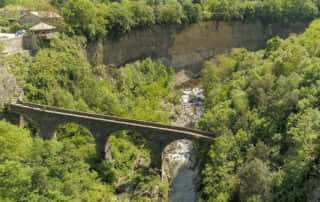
263,107
100,18
60,75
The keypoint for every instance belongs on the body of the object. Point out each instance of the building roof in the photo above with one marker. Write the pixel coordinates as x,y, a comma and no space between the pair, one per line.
45,14
42,27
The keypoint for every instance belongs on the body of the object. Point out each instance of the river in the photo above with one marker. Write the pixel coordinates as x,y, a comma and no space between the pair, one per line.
180,157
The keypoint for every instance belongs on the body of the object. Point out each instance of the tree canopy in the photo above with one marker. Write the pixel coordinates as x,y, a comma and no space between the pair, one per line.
59,75
264,108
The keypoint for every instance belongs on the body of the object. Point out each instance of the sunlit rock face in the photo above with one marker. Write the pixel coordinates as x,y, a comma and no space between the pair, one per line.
180,157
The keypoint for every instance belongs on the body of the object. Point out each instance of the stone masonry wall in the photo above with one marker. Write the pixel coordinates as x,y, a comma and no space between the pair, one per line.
26,44
11,46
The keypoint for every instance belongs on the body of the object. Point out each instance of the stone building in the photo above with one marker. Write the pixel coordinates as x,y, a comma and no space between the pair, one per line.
34,17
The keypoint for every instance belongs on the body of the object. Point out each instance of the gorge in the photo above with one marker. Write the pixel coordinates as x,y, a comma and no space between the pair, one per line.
185,48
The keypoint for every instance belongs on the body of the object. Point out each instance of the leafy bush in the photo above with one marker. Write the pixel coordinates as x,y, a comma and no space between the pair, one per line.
171,13
192,12
143,15
120,20
85,17
14,28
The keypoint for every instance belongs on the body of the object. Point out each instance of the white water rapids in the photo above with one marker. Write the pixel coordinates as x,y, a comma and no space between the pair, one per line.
180,157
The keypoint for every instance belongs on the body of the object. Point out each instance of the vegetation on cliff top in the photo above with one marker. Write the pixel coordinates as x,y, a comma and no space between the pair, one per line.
264,106
96,19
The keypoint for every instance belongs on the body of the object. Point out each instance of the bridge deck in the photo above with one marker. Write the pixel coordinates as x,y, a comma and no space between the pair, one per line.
113,119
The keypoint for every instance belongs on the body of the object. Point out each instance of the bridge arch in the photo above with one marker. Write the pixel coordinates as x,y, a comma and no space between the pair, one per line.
157,135
79,136
128,147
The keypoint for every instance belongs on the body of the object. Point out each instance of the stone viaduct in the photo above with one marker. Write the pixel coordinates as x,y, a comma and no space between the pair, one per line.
47,119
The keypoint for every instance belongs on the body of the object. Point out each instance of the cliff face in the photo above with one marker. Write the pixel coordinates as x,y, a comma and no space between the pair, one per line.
187,46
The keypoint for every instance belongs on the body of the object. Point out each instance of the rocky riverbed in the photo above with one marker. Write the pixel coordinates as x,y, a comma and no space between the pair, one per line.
191,107
180,158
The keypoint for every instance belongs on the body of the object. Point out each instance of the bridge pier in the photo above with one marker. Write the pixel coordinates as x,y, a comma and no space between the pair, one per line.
101,134
21,121
156,149
103,148
47,131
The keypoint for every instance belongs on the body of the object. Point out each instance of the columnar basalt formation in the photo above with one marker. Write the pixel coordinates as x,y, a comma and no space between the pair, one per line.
48,119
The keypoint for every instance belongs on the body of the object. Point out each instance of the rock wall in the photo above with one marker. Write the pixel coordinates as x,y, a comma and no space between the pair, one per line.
26,44
187,46
11,46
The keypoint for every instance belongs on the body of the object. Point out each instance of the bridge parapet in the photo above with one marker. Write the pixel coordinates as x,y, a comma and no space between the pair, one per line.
45,107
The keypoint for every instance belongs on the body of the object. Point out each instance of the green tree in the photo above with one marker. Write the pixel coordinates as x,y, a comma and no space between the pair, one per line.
120,20
16,142
86,18
171,13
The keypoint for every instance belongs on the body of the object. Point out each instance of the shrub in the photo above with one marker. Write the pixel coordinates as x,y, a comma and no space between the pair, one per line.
14,28
143,15
85,17
120,20
171,13
192,11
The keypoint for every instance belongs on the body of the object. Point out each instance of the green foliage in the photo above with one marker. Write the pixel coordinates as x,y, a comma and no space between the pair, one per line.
19,65
86,18
255,180
12,5
14,28
264,108
269,10
16,147
171,13
80,137
59,3
60,75
96,19
32,170
192,11
120,19
143,15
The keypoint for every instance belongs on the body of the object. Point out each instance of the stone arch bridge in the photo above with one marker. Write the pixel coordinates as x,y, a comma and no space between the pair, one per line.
47,119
